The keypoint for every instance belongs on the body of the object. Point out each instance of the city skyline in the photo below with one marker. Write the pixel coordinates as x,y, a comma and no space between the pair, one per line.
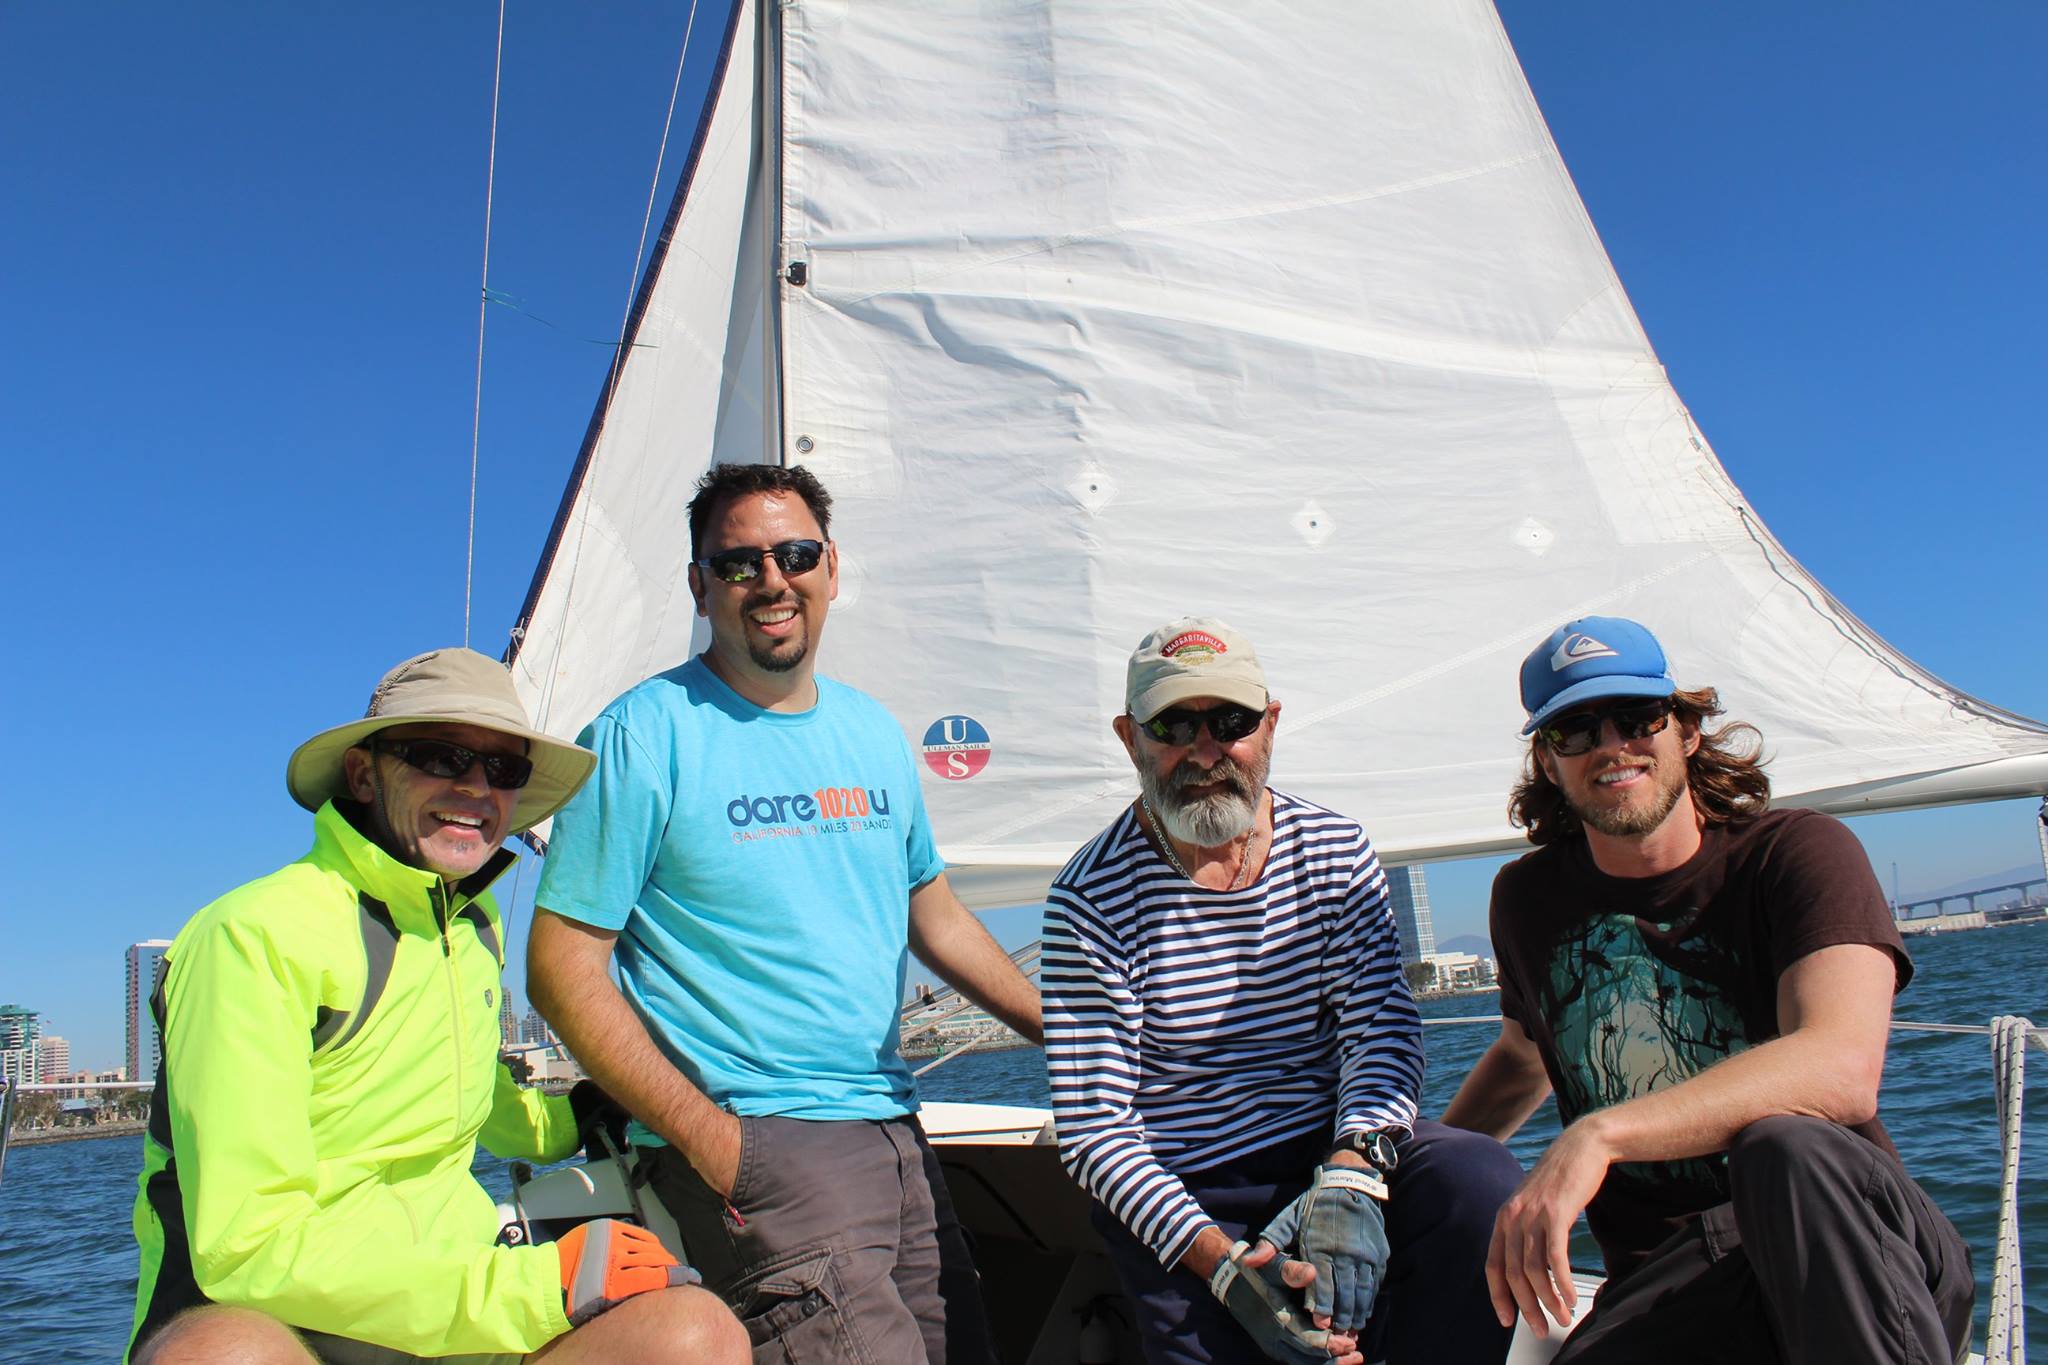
91,1039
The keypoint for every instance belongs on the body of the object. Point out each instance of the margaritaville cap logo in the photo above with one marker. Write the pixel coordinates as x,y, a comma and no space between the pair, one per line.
956,747
1193,656
1190,646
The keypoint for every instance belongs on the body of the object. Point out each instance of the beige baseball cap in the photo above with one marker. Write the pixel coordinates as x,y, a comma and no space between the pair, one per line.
456,686
1195,656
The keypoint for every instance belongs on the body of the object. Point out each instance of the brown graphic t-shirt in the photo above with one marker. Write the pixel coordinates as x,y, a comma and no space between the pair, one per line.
1631,984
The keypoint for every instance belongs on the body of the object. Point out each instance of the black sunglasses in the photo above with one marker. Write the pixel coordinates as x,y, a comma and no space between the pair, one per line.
1179,726
1579,731
743,565
439,758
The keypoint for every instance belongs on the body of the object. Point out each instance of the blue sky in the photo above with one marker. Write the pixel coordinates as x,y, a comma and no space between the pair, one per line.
239,260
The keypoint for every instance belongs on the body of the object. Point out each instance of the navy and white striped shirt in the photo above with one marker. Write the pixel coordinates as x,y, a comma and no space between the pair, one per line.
1185,1027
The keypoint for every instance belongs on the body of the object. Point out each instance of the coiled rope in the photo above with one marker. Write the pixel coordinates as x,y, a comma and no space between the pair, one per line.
2003,1345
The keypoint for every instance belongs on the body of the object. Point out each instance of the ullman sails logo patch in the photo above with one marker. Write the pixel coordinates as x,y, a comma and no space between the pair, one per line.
956,747
1200,645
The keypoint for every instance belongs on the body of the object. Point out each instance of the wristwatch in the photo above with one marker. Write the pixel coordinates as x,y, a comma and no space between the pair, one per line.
1376,1146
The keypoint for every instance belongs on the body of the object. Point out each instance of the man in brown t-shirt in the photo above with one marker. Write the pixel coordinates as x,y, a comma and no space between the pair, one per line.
1707,988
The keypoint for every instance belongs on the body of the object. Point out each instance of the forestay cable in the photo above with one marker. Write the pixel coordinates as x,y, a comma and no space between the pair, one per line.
618,365
483,302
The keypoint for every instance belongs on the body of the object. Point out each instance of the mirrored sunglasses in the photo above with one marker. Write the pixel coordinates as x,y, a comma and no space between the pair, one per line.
743,563
439,758
1577,732
1179,725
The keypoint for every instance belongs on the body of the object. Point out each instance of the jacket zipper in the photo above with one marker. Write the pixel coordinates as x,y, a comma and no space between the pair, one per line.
438,895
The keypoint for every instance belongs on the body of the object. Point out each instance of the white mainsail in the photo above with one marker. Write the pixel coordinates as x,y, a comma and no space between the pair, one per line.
1096,312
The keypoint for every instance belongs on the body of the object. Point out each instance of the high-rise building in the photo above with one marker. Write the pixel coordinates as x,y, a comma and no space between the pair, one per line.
19,1028
53,1057
145,971
1409,894
508,1022
535,1030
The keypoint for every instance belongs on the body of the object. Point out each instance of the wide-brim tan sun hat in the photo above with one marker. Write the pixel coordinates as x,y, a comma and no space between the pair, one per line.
452,687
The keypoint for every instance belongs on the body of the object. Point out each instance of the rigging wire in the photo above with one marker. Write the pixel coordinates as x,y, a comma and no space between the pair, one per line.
483,303
618,365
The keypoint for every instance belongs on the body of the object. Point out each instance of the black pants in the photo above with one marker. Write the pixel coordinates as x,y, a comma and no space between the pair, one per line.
839,1244
1433,1307
1828,1252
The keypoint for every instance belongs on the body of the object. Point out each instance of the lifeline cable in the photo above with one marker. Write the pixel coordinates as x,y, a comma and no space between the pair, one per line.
2002,1344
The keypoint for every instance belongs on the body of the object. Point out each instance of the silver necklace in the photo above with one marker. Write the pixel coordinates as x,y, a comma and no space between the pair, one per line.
1244,861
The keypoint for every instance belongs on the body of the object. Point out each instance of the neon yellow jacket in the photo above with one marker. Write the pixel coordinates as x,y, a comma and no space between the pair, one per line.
328,1183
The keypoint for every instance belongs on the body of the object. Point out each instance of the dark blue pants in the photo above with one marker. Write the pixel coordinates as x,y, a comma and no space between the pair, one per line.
1433,1307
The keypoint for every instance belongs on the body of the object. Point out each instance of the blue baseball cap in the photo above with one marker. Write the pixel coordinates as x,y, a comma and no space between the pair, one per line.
1590,659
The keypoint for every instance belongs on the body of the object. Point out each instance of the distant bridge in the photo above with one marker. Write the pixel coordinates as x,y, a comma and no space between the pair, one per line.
1968,899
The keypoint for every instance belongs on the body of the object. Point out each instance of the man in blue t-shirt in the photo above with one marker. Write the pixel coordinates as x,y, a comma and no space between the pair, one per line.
753,849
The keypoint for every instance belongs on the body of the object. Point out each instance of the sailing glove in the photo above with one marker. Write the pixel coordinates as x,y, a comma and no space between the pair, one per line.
1337,1226
1265,1308
606,1261
598,1115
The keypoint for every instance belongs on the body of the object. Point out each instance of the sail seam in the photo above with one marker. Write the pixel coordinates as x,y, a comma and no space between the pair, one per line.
1516,640
1106,232
1239,316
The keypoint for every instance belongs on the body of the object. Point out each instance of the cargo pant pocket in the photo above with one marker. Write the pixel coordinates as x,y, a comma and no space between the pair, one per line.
794,1310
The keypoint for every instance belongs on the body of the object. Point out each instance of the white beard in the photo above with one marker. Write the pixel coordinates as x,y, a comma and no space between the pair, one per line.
1213,820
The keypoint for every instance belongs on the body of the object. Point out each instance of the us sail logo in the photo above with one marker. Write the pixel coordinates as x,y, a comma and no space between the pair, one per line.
956,747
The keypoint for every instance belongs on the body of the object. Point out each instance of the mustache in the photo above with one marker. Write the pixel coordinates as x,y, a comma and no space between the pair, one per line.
1189,773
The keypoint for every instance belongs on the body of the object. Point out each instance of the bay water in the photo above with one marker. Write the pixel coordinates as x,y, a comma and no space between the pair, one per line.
68,1261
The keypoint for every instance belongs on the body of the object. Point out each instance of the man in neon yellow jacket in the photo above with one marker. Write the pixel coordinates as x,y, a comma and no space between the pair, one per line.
330,1060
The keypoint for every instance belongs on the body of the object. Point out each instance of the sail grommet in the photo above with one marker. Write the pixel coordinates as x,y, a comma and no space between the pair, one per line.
1533,536
1092,488
805,445
798,274
1312,523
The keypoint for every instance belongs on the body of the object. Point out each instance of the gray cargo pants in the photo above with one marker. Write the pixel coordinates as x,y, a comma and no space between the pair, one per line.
839,1244
1828,1252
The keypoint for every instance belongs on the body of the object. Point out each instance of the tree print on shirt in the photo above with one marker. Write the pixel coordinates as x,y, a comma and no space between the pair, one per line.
1627,1023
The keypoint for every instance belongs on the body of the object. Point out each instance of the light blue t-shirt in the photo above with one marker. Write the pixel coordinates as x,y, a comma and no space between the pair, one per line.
758,865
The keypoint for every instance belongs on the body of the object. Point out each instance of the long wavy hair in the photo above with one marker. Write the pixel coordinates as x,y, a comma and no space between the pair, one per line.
1726,773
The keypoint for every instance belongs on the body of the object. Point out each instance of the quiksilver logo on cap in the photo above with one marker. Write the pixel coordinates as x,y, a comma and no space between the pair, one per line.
1577,648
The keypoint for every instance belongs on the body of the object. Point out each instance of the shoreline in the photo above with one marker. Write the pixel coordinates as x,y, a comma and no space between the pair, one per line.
1454,994
1010,1045
43,1137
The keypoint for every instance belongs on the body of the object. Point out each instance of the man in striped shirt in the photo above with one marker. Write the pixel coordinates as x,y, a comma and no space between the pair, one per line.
1226,1021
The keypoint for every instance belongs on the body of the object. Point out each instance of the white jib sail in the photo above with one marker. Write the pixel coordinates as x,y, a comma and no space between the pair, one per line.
611,604
1287,314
